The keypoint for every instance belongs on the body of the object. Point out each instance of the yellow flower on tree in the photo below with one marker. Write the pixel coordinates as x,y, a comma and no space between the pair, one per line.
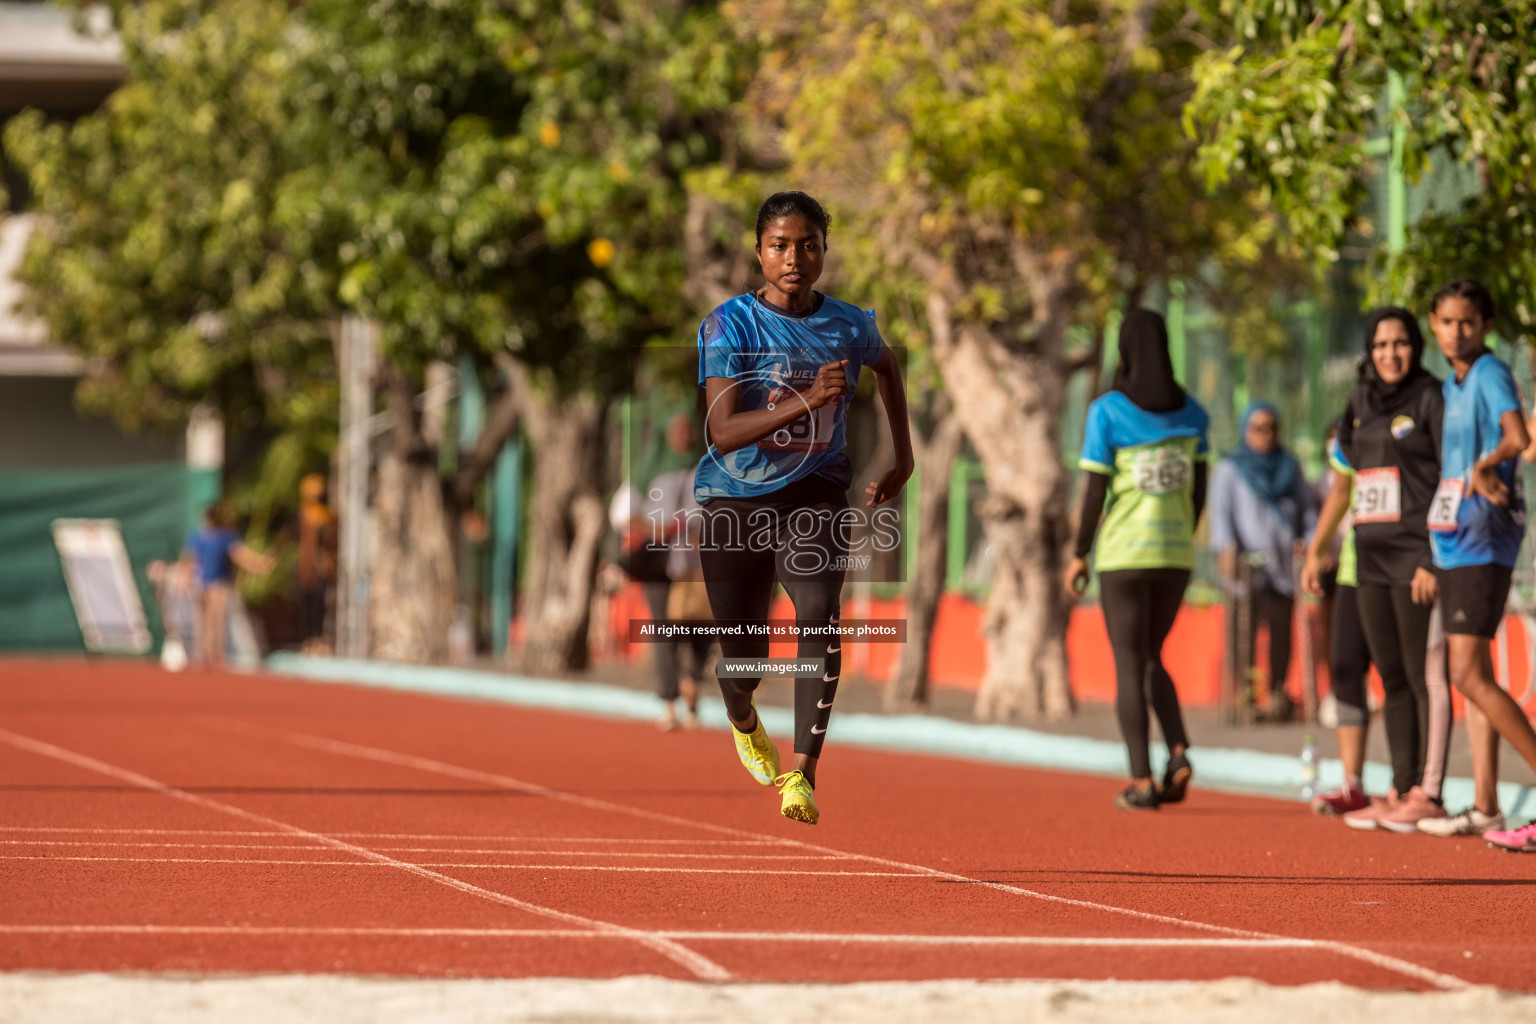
549,134
600,252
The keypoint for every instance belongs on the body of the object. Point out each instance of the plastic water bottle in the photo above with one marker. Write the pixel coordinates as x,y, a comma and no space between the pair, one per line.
1308,768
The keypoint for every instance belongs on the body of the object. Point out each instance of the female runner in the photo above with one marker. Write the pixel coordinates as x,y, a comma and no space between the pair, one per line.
1477,522
779,367
1349,659
1145,444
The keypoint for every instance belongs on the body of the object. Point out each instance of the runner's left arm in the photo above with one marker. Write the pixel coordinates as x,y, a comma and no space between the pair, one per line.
894,397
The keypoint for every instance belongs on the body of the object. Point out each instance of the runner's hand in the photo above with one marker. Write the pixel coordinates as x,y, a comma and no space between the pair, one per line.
1311,575
1075,579
830,385
888,486
1485,481
1424,586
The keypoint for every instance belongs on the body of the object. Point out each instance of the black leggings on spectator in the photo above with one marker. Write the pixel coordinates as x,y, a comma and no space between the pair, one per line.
793,536
1398,633
1274,609
1350,659
1139,608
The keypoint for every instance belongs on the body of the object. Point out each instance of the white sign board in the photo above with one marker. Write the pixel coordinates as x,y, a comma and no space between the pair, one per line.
101,585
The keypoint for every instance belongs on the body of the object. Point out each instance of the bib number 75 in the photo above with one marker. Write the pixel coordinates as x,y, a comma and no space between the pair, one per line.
1445,505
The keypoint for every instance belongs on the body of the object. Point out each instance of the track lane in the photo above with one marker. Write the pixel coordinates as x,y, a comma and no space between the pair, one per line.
1235,862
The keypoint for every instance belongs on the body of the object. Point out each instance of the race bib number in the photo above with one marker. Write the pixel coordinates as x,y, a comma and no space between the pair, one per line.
1445,505
1162,470
810,432
1378,496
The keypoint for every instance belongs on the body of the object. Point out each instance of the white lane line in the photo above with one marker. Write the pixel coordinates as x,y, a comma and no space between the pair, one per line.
832,938
459,851
465,864
388,835
1394,964
700,965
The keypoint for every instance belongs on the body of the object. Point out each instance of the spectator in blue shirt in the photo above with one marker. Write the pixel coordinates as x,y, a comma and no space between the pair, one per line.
214,551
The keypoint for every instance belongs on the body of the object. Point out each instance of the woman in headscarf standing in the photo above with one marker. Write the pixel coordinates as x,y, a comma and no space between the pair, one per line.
1144,450
1261,511
1389,439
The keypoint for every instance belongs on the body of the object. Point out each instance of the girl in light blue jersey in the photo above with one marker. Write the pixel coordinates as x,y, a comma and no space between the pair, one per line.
1476,523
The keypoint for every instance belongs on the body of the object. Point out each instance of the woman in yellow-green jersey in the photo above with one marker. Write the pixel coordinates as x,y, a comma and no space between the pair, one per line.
1145,451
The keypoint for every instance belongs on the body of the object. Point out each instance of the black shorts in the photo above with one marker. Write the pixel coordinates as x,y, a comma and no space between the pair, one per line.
1472,598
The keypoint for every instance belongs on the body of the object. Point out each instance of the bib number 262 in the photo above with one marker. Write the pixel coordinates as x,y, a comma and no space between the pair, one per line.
1165,471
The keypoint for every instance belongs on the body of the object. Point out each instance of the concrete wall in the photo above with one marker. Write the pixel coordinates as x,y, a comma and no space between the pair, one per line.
40,429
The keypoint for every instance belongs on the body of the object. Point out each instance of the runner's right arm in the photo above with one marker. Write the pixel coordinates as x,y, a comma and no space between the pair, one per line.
730,428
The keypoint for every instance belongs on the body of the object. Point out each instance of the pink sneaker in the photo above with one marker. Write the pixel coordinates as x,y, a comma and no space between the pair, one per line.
1367,818
1520,840
1415,808
1340,802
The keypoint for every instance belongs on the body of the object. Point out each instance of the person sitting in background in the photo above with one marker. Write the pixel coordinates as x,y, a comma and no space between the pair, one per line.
1261,509
215,550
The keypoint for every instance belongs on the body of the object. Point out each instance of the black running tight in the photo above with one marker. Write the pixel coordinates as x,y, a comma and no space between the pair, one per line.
792,536
1418,734
1139,608
1349,660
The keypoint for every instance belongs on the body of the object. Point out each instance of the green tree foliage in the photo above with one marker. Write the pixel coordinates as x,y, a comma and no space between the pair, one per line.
157,257
1291,105
499,180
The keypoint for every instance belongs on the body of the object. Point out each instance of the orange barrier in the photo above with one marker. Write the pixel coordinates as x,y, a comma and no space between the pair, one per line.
958,657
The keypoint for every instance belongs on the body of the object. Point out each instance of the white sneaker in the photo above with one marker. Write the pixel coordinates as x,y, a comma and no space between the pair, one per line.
1470,822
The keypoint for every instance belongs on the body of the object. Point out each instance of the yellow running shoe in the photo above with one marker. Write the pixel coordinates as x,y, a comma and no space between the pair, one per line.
799,801
756,750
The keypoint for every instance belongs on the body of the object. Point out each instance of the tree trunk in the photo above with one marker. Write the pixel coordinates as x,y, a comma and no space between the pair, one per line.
414,577
567,522
1008,396
936,453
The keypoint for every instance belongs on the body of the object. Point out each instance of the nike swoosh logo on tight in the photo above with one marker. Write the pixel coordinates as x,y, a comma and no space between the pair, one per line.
817,731
834,650
821,705
828,679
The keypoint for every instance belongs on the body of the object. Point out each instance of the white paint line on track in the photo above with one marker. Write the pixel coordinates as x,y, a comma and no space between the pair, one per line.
1383,961
833,938
694,962
422,849
388,835
465,864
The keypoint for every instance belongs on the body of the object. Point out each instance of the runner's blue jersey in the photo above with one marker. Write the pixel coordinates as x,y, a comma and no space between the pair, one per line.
775,356
1485,534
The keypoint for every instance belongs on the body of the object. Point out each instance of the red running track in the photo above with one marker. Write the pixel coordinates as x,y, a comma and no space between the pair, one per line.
208,823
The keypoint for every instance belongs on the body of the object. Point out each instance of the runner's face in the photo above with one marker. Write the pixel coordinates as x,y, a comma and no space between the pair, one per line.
792,251
1262,431
1459,328
1391,351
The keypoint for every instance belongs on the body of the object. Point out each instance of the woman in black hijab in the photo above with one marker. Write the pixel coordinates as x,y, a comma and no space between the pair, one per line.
1389,436
1145,451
